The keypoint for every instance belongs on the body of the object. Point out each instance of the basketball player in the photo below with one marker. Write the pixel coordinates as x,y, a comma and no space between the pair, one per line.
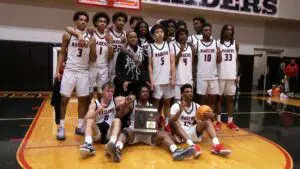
134,20
227,73
161,70
181,24
76,73
104,51
187,129
160,138
208,57
171,28
197,22
142,30
118,39
101,124
183,61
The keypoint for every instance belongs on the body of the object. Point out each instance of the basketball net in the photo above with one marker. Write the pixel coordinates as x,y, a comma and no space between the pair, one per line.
110,3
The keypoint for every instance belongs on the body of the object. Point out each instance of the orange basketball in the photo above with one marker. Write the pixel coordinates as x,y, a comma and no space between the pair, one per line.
201,110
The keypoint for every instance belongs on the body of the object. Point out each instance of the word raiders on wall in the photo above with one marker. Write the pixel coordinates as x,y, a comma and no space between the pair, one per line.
125,4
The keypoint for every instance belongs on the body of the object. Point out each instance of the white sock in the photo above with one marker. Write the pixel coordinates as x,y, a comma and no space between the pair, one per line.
190,142
80,123
219,118
230,119
113,139
62,123
215,141
88,139
173,147
120,145
167,121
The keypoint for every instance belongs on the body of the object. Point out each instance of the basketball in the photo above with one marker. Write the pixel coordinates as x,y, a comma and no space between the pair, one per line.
201,110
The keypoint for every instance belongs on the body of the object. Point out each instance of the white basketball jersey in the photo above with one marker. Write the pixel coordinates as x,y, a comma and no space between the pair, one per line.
117,41
194,38
108,114
184,67
144,43
101,50
161,63
227,68
187,116
133,112
78,57
207,60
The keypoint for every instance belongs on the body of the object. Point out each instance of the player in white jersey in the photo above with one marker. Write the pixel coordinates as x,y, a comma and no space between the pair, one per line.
142,30
134,20
118,39
183,61
101,122
161,70
227,73
160,138
197,22
76,72
187,129
208,57
104,50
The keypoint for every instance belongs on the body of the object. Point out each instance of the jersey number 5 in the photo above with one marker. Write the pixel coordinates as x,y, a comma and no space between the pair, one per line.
162,59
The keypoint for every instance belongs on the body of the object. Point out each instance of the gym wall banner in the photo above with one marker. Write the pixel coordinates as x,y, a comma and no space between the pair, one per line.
252,7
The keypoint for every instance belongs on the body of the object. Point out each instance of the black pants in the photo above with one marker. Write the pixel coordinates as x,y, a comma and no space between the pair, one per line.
131,89
293,84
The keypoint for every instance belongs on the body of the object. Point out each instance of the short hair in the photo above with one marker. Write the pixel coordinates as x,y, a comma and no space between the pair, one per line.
185,86
119,14
100,15
206,25
199,18
140,89
79,13
159,26
108,84
179,31
181,22
132,18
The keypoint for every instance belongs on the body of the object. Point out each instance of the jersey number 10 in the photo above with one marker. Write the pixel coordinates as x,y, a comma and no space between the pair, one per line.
207,57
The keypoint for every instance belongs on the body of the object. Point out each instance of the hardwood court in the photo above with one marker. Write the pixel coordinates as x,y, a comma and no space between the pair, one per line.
41,150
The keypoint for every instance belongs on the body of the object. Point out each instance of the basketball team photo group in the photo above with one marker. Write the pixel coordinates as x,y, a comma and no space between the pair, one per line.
124,88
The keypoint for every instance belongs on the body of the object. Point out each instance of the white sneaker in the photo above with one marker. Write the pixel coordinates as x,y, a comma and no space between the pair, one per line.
282,95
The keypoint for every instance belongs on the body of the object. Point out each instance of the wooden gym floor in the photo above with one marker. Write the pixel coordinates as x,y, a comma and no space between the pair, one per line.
260,121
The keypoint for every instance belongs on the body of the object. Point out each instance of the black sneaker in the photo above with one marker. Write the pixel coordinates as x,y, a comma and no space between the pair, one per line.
87,149
79,131
181,154
112,150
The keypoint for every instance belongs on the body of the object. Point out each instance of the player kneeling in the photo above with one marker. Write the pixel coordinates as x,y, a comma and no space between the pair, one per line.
101,124
159,138
186,128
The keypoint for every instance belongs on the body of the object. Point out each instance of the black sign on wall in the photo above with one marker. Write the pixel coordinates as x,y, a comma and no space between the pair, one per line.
254,7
